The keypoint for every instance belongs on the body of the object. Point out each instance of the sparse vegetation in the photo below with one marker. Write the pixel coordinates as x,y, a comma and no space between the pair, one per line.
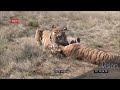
33,24
20,58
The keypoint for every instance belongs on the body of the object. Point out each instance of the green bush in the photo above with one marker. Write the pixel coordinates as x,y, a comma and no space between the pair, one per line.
33,24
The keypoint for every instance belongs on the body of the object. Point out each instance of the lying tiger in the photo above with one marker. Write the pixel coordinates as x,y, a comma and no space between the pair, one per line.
88,54
51,39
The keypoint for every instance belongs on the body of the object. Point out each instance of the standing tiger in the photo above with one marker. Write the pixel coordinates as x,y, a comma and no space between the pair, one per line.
51,38
88,54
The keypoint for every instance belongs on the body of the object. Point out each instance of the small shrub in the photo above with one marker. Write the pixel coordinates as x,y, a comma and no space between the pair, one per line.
33,24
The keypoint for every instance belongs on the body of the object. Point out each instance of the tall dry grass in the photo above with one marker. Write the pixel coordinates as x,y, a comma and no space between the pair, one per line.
20,58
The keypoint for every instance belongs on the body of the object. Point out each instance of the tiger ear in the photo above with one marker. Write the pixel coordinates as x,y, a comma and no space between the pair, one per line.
53,26
65,28
53,33
78,40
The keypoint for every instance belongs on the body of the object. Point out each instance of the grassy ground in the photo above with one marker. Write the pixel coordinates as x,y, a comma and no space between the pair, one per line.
20,58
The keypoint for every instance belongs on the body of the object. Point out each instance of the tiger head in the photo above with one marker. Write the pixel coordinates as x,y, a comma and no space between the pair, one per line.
58,36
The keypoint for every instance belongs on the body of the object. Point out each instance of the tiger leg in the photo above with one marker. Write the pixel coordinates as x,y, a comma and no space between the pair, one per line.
38,37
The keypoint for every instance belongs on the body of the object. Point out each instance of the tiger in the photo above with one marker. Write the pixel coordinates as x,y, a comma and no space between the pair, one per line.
51,38
91,55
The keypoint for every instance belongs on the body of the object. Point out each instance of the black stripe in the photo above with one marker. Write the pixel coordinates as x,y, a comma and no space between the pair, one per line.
112,57
96,54
51,37
42,35
80,51
100,54
107,56
87,53
85,50
92,52
103,56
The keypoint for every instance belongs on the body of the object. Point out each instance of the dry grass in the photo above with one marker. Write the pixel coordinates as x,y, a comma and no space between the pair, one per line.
21,59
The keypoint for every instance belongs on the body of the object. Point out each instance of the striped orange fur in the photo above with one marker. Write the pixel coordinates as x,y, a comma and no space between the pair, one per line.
51,38
88,54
